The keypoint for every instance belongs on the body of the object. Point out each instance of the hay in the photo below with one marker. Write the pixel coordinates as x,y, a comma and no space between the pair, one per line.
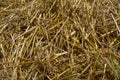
59,39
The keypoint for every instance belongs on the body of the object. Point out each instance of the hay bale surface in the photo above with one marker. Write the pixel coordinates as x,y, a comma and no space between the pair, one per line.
59,39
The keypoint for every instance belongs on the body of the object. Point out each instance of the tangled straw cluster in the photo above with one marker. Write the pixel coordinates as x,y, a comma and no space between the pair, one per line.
59,39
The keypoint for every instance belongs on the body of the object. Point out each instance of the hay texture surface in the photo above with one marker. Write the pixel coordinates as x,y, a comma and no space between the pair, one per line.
59,40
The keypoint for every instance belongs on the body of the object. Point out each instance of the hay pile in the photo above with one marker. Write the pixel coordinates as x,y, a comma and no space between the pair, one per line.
59,40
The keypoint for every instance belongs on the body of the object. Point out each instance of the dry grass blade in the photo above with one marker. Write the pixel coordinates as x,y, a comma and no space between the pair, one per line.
115,23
